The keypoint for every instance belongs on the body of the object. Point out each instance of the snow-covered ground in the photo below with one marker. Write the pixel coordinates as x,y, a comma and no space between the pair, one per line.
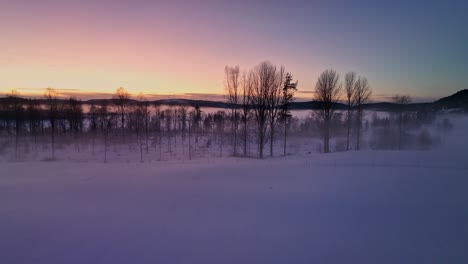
348,207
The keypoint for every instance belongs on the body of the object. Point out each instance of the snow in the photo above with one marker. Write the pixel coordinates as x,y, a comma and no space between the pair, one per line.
347,207
316,209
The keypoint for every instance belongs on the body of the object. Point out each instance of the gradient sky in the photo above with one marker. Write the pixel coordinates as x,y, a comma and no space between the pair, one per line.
418,48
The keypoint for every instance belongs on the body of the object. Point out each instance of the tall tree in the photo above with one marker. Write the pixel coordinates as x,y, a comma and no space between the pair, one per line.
327,92
350,81
183,117
168,124
74,114
264,81
402,101
247,84
106,119
16,108
218,119
289,88
122,102
141,113
52,110
34,118
197,118
362,93
232,85
93,124
274,101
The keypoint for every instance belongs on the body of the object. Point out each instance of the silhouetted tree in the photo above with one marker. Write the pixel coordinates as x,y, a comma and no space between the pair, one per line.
232,85
327,92
93,124
197,117
247,86
34,118
350,81
15,103
141,114
106,120
289,88
401,101
218,119
362,93
182,116
158,118
74,114
274,101
190,129
168,124
265,83
52,111
122,102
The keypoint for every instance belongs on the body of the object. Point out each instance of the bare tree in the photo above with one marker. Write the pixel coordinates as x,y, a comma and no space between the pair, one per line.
362,93
72,117
327,92
159,117
350,81
183,117
289,87
190,128
93,125
197,118
232,85
168,124
142,119
52,110
218,119
264,81
274,101
16,107
105,119
247,84
122,102
34,118
401,101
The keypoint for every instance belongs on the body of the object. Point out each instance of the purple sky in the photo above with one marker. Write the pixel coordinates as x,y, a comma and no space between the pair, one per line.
176,47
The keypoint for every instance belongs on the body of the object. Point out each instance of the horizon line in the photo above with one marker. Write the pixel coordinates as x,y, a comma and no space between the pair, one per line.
214,97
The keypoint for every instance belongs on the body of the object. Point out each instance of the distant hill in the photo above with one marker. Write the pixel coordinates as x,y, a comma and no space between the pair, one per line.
395,107
456,100
313,105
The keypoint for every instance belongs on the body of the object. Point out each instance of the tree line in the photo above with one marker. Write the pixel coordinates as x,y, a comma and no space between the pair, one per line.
259,112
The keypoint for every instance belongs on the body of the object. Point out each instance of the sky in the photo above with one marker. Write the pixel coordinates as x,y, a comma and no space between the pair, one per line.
180,48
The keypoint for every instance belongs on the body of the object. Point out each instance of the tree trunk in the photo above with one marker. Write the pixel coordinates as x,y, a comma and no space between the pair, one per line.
272,134
141,151
105,147
245,137
53,139
17,139
285,135
326,138
348,129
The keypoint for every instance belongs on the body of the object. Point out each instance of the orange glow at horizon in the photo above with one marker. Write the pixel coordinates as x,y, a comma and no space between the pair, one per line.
176,48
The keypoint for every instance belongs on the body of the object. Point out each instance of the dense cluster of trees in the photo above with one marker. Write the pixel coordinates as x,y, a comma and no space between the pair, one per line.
20,116
263,94
259,112
154,129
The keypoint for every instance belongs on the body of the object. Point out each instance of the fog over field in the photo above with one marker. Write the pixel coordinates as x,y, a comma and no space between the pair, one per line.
368,206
